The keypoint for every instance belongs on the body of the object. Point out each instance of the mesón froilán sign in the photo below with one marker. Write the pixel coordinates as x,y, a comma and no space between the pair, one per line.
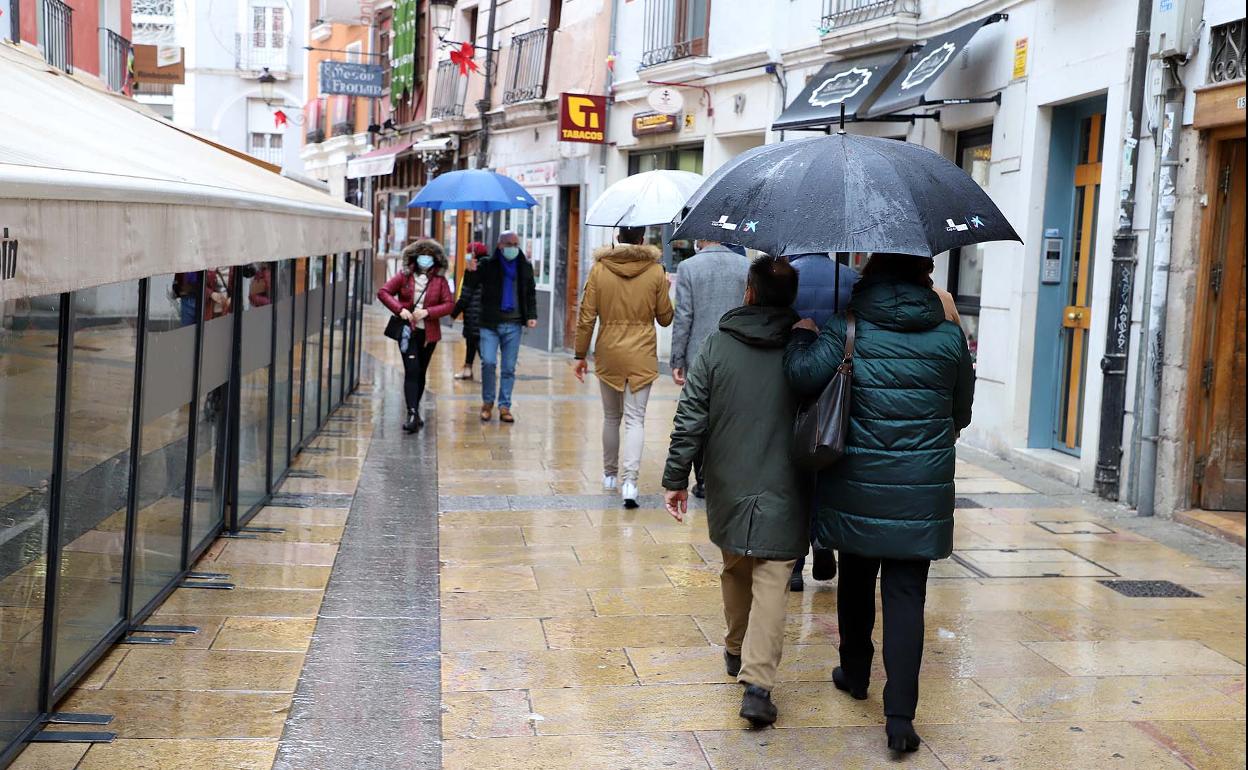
582,118
350,79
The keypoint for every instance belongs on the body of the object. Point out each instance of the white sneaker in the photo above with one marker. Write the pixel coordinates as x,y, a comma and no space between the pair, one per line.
628,491
610,483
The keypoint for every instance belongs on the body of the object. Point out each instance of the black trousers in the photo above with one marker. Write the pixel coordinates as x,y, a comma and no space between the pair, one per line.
473,344
415,366
903,592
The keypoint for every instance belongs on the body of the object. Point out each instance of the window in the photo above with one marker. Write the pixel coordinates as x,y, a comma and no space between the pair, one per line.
536,228
966,265
266,147
267,37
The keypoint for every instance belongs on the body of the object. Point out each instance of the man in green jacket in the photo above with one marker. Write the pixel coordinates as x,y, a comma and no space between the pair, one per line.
738,410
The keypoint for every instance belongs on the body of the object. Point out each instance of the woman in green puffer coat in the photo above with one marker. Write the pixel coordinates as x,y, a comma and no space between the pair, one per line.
887,505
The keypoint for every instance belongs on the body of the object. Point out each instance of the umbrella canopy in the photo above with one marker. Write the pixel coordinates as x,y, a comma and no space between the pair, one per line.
651,198
843,193
473,190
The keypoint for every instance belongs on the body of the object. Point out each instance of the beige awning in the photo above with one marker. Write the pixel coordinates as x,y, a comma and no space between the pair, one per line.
93,191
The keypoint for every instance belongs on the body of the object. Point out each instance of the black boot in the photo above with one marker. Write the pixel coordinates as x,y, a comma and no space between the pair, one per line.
796,583
901,734
757,707
732,663
413,423
841,680
825,564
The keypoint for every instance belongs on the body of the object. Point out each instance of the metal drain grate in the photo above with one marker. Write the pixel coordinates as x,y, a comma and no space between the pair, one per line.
965,502
1150,589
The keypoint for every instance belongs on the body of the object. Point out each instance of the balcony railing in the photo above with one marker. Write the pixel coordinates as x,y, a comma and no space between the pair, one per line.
250,57
58,35
1226,52
526,70
449,91
846,13
267,154
674,29
344,117
116,61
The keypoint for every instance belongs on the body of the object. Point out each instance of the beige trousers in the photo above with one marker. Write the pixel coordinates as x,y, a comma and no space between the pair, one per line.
630,408
756,592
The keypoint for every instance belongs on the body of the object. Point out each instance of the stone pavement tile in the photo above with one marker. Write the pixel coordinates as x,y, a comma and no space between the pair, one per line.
637,751
1115,698
656,601
169,714
487,635
209,626
1126,658
647,517
1142,624
378,743
697,665
798,628
1185,574
277,516
638,553
1232,646
474,519
277,576
581,535
1061,746
303,533
693,535
180,755
174,669
980,486
502,556
259,602
989,594
699,576
265,634
515,604
259,552
468,671
50,756
366,690
622,631
104,670
492,714
848,748
1206,745
481,536
590,576
478,578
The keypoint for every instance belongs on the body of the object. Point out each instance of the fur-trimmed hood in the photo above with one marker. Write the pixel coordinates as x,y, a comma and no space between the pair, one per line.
627,260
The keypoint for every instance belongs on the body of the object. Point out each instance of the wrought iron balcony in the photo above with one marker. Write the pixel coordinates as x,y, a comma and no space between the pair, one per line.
449,91
526,69
253,52
58,35
846,13
116,61
1226,52
674,29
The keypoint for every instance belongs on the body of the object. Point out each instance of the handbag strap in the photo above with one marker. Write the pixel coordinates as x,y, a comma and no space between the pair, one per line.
851,328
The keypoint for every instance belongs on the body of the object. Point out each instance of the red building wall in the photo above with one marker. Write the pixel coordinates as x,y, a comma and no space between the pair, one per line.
86,26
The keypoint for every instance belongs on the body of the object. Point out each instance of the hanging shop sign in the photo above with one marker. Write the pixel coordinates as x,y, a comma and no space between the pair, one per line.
350,79
164,64
1020,58
647,123
666,100
533,174
403,52
582,118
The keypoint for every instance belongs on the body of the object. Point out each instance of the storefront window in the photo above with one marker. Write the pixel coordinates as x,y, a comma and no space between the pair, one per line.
672,158
966,265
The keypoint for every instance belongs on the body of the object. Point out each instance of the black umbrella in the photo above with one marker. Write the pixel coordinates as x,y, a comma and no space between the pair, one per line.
843,192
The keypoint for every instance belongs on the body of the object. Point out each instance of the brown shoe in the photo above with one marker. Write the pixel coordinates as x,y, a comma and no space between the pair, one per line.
487,412
504,415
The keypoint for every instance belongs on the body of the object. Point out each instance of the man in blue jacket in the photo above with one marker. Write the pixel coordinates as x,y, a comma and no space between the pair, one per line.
819,297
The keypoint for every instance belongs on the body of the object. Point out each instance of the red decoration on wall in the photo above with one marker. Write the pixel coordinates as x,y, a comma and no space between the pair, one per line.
279,118
464,58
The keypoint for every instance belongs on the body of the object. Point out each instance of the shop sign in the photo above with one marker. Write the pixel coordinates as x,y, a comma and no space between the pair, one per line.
163,64
1020,58
647,123
533,174
666,100
582,118
403,51
350,79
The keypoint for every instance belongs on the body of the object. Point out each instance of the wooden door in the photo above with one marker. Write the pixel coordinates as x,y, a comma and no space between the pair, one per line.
573,285
1220,444
1077,315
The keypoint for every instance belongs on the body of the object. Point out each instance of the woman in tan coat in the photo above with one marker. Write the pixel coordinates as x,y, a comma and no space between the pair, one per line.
626,293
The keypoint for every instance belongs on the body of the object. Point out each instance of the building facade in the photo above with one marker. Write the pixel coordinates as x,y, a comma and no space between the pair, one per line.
89,39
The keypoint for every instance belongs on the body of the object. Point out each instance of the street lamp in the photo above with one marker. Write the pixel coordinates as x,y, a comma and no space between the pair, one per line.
440,14
268,84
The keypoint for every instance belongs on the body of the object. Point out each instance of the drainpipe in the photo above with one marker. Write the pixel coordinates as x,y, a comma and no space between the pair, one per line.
1118,342
483,106
1155,333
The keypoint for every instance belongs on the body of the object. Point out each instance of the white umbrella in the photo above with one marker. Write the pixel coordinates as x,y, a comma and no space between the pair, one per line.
652,198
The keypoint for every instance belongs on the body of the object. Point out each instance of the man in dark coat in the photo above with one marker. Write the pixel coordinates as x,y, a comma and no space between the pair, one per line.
737,409
508,305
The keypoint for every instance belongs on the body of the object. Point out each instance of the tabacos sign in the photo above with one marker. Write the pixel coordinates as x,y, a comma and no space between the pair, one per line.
582,118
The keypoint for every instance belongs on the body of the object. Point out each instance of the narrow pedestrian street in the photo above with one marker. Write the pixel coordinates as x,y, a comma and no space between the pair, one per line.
573,634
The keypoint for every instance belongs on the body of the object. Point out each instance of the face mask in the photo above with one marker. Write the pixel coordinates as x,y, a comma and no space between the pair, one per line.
511,252
424,262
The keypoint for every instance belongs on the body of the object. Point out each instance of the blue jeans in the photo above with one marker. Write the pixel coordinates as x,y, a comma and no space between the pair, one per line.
506,338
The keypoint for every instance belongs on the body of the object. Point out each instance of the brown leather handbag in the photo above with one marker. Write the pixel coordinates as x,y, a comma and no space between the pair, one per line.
822,425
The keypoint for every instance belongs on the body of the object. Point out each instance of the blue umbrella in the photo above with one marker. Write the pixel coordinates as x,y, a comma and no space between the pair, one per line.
474,190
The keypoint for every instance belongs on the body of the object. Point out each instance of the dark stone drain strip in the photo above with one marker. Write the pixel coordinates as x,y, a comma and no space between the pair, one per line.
369,695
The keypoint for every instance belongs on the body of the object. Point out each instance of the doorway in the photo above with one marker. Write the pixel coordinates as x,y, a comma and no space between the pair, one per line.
1218,474
1064,313
570,261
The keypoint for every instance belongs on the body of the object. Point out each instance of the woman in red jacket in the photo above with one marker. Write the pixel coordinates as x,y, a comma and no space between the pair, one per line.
420,295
